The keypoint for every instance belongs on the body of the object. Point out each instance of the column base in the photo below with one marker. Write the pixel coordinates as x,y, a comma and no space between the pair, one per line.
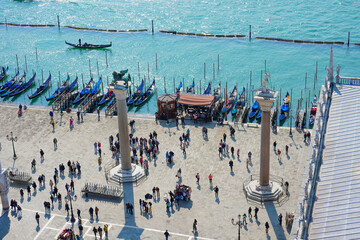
257,192
132,175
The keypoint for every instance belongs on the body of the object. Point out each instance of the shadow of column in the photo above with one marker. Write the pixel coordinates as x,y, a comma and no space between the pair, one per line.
5,225
273,216
129,232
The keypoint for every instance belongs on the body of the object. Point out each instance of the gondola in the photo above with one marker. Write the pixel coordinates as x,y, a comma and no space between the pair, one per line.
254,110
285,107
9,83
89,46
231,101
137,94
208,89
191,89
258,117
240,102
59,90
84,92
313,111
23,87
217,93
146,95
72,86
106,97
3,73
13,87
179,89
42,88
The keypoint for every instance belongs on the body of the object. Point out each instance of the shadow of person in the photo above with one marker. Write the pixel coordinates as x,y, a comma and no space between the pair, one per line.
217,200
199,187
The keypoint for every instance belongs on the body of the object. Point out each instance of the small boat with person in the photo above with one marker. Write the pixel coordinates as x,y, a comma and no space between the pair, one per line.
254,110
106,98
88,46
136,95
230,101
59,90
41,88
146,95
285,107
23,87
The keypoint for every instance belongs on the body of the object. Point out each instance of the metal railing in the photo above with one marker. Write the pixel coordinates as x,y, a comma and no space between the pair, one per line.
102,189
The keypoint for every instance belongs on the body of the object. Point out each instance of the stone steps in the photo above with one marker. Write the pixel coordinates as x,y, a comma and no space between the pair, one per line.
262,196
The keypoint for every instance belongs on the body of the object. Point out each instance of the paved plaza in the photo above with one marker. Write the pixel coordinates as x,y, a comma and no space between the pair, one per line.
214,216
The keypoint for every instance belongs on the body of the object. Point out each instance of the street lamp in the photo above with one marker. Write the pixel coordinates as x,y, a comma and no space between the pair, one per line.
69,197
12,139
238,223
290,133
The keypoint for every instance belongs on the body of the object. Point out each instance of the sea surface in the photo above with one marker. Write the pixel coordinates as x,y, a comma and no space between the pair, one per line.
183,58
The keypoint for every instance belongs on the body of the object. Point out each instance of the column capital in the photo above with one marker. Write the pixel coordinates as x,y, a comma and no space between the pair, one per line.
265,104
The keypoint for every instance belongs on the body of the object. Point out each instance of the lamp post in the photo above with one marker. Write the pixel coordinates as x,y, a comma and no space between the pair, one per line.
238,223
71,199
12,139
290,132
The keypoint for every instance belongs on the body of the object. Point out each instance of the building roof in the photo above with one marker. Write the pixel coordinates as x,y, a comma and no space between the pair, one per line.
336,213
195,100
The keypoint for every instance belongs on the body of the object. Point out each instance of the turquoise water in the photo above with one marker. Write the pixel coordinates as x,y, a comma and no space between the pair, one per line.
182,56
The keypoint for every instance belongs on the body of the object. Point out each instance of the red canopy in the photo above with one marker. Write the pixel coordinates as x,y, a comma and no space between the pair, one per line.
196,100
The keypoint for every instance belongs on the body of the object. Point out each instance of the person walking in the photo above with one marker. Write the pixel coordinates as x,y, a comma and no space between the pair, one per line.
100,231
67,208
280,219
99,152
249,212
53,125
231,164
37,217
78,213
81,228
274,144
97,212
91,212
216,190
210,178
106,230
279,154
238,153
267,227
42,155
29,191
195,226
197,178
166,234
244,219
287,150
256,210
247,163
55,143
95,231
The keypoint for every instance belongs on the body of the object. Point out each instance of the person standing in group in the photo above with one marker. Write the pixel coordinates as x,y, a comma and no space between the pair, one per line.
256,210
95,231
249,212
37,217
244,219
97,212
106,230
100,231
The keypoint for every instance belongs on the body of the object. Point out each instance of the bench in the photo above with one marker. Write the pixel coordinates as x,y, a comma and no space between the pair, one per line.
102,190
21,177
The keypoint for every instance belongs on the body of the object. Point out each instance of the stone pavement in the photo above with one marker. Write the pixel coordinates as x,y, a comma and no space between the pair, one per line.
213,215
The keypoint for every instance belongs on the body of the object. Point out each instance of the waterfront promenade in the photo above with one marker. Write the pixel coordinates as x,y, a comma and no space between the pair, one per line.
214,216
